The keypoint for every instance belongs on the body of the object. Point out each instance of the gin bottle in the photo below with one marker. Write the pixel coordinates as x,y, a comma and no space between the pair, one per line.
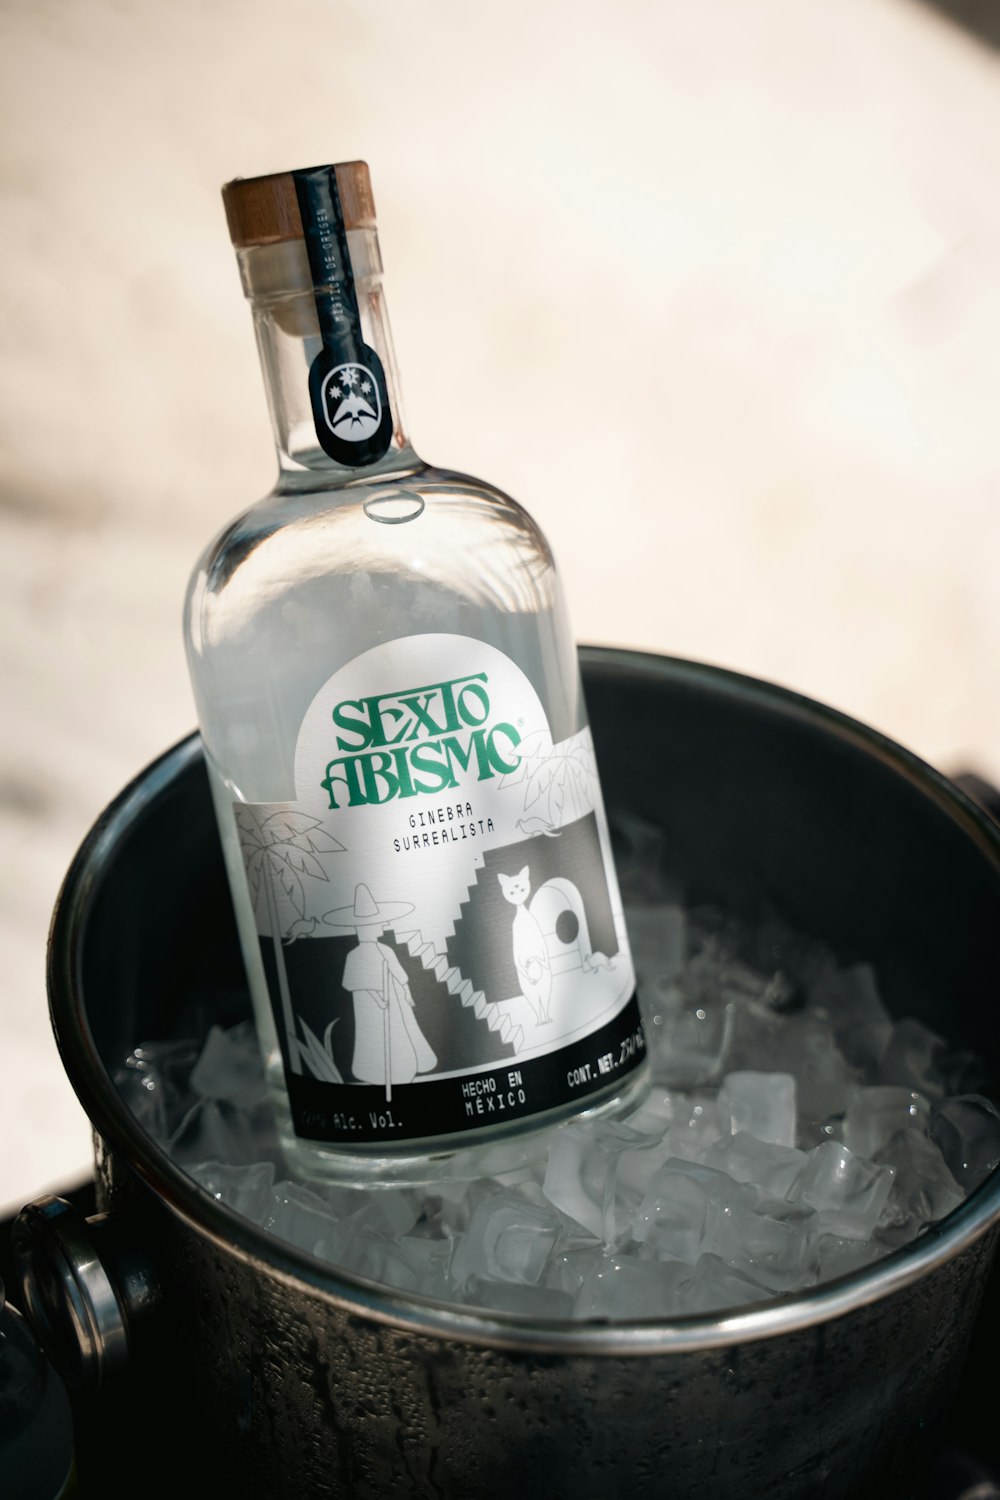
389,700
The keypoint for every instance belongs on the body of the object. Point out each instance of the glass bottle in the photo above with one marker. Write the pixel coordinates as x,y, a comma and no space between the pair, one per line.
390,704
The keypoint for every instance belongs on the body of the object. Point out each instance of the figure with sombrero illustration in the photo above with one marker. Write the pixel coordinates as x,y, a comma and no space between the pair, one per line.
389,1046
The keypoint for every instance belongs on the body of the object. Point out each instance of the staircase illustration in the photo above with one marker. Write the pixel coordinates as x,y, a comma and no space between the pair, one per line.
447,974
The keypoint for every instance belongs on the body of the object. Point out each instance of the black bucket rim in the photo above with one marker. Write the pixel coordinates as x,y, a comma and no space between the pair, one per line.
118,1128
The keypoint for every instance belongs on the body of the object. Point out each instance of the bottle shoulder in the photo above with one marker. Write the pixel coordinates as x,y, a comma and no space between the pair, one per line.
306,499
413,541
382,522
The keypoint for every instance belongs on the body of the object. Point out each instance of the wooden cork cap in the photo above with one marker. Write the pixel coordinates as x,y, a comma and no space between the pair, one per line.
265,210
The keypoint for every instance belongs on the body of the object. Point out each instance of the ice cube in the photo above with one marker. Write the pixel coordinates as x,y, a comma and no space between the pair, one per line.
753,1040
230,1067
540,1303
300,1216
391,1212
528,1188
246,1189
848,1191
715,1286
782,995
144,1097
689,1018
507,1240
772,1252
762,1104
350,1240
430,1259
377,1257
634,1168
773,1170
834,1256
744,987
569,1264
716,973
967,1130
912,1058
874,1115
452,1204
581,1170
963,1072
824,1079
672,1215
155,1083
343,1200
219,1130
802,1047
655,1114
687,1041
622,1288
699,1121
923,1189
848,1000
759,1006
802,961
797,1214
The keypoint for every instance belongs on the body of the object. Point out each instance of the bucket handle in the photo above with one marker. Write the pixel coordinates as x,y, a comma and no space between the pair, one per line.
83,1291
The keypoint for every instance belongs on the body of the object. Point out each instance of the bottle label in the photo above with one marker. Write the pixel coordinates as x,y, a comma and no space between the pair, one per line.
439,919
347,385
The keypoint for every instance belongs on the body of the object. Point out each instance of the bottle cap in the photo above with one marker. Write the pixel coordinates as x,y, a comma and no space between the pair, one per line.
265,210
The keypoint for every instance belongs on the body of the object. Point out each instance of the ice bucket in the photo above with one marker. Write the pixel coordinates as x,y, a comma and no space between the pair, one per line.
203,1332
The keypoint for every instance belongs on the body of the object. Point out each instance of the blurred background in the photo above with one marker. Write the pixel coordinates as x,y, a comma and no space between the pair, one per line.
722,283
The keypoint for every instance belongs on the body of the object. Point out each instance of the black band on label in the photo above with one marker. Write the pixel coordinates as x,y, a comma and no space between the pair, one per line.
358,1113
347,385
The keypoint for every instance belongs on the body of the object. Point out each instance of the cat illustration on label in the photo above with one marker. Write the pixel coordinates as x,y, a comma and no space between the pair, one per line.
531,952
550,935
389,1046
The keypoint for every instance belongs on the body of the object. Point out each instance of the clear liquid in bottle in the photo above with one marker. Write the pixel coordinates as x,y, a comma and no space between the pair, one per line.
390,704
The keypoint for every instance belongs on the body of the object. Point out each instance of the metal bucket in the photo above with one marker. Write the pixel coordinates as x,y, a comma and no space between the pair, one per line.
299,1382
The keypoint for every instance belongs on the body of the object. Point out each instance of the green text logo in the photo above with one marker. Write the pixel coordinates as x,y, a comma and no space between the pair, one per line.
420,741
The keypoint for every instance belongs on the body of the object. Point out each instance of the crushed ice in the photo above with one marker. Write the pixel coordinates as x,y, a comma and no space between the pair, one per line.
794,1132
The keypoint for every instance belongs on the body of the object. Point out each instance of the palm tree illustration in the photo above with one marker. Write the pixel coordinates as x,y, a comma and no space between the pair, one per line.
279,851
559,781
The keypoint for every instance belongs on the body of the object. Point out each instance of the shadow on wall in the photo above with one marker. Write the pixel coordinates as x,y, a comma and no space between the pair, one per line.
980,18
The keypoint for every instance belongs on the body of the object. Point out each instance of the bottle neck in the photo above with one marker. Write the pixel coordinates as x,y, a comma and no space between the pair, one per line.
279,284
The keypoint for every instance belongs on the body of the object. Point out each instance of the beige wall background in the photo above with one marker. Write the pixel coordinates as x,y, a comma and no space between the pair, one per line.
776,220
